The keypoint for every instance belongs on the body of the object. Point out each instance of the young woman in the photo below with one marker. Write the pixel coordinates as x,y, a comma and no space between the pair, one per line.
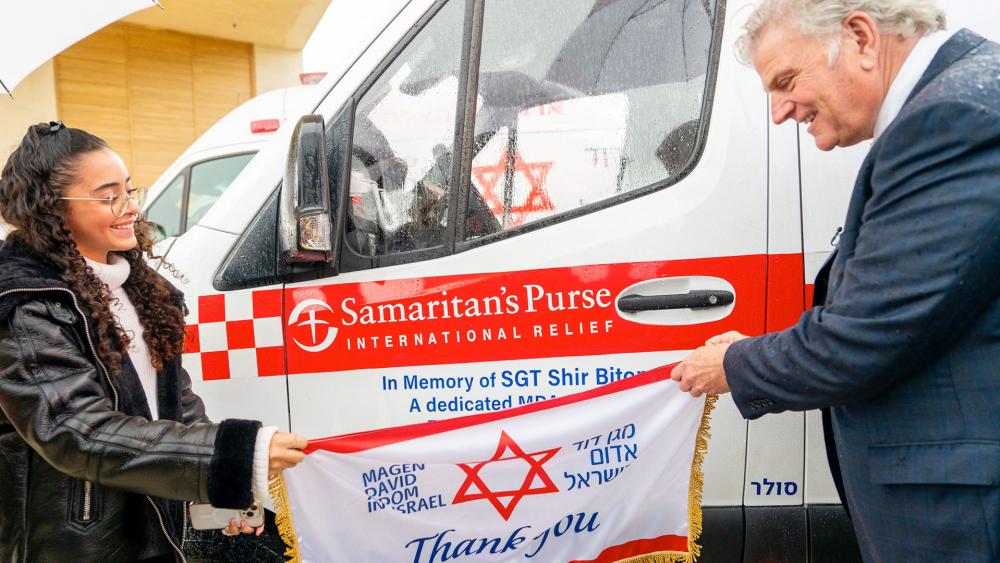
101,438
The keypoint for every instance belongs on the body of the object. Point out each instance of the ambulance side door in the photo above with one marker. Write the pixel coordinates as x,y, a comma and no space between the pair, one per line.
524,199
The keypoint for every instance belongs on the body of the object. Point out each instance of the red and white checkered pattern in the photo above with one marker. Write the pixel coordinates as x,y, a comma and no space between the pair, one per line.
235,335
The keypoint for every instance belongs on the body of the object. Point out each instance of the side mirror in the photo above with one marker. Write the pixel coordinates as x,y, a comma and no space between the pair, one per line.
305,229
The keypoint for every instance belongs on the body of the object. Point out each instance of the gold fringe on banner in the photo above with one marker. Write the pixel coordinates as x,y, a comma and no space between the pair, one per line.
283,510
694,497
283,518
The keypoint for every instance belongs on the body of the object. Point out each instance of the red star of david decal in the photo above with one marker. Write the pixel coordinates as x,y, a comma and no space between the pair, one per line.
482,491
535,172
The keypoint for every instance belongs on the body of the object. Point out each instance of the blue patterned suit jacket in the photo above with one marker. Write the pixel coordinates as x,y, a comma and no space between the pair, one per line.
904,343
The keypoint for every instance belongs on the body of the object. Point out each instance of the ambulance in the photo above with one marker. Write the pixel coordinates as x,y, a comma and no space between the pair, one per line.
495,203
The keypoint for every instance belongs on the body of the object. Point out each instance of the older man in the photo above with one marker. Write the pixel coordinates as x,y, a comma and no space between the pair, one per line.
903,344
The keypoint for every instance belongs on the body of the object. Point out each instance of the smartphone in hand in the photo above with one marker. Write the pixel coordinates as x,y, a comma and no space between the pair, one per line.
208,517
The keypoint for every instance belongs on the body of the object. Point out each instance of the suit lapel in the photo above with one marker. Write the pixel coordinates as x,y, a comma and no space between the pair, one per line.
821,284
834,266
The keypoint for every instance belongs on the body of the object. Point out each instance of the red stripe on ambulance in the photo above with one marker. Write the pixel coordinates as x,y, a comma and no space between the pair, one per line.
552,312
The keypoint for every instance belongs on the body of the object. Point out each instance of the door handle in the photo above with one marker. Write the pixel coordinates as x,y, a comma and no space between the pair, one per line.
695,299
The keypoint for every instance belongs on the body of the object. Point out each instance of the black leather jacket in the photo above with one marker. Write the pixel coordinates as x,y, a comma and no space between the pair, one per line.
84,474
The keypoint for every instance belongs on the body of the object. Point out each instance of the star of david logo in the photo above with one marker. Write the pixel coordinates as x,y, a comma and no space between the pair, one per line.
535,172
536,482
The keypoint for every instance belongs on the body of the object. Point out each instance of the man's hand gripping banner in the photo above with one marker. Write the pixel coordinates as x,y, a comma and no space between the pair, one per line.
610,474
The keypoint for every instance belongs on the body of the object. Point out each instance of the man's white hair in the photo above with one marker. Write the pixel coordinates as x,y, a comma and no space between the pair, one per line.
823,19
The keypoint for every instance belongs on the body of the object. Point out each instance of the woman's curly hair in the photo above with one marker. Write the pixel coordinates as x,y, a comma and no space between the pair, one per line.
34,178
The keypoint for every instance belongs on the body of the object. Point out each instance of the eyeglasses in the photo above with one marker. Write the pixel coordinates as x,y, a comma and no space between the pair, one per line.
118,202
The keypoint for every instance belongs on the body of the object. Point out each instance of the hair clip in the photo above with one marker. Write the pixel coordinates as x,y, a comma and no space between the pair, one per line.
55,126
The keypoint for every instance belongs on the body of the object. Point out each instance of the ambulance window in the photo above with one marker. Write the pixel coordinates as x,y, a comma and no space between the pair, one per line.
403,142
165,212
209,180
583,101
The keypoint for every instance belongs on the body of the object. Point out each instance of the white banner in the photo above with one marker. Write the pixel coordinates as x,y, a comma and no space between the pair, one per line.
605,475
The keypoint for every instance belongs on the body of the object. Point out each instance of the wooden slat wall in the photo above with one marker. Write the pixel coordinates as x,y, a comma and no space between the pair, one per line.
151,92
92,88
222,78
161,98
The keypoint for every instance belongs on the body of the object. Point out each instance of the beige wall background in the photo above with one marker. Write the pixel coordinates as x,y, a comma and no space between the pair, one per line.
148,92
275,67
153,82
151,92
34,101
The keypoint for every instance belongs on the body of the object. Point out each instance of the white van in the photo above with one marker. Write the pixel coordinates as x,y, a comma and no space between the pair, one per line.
493,204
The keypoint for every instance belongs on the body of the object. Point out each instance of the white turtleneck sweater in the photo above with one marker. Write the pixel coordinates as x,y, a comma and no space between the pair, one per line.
114,274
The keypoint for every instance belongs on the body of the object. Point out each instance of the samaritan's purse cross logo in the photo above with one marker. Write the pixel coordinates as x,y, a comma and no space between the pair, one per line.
536,482
310,307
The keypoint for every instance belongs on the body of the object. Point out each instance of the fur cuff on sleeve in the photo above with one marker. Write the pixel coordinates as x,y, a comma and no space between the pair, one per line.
231,471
